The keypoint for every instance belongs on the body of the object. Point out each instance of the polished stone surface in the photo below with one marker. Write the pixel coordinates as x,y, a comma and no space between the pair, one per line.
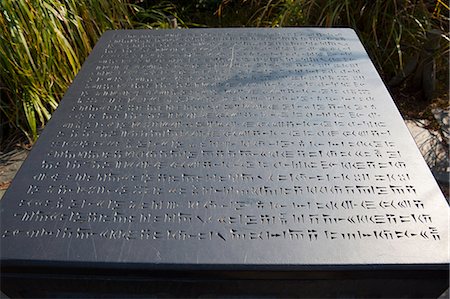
226,149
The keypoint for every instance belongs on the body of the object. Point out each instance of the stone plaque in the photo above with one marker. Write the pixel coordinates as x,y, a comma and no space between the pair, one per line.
216,149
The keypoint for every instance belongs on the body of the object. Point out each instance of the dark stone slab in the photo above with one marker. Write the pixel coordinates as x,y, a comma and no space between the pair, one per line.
266,158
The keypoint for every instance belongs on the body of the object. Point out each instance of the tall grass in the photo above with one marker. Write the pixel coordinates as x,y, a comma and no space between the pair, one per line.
159,14
44,42
393,31
42,46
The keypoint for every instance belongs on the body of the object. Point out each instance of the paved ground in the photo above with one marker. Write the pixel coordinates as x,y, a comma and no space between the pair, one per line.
432,147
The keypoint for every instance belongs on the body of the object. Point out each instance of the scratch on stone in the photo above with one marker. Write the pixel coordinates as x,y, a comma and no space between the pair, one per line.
122,247
93,245
121,250
68,248
232,57
158,255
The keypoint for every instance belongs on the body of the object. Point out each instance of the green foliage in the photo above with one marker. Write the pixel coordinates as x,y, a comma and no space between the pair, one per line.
393,32
279,13
158,15
43,44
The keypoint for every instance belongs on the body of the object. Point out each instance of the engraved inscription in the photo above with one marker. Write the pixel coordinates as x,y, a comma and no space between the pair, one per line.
281,138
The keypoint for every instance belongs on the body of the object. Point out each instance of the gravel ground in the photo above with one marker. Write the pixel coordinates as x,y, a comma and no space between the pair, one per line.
10,163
